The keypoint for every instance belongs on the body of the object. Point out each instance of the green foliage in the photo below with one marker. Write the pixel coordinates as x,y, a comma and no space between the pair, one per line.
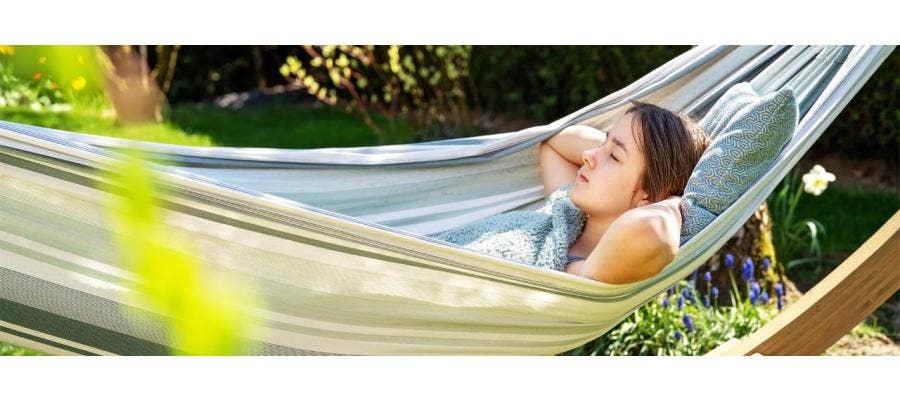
659,328
426,85
37,93
52,77
869,126
792,236
547,82
205,310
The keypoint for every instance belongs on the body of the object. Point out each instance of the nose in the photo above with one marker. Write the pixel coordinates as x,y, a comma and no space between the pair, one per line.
587,157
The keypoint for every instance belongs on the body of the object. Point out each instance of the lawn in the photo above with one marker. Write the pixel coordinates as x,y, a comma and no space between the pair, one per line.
277,126
850,215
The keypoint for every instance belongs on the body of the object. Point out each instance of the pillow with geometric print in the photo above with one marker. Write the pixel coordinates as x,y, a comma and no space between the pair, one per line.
747,131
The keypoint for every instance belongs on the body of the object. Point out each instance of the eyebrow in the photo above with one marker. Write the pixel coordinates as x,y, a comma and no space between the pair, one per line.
618,142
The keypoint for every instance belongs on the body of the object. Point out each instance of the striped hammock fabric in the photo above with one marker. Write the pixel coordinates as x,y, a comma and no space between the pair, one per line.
334,239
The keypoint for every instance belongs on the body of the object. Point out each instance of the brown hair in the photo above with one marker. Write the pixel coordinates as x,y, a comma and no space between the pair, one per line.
672,145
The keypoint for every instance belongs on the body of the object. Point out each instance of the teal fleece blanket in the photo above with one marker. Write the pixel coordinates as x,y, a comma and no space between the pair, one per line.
539,238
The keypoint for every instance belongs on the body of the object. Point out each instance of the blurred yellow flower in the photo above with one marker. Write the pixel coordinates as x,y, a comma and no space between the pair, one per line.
7,49
816,180
79,83
42,60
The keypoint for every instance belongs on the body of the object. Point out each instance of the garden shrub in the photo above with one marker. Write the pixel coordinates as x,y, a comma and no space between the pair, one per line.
688,320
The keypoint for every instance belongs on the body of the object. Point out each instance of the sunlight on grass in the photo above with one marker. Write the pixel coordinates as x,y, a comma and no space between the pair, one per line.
198,125
95,123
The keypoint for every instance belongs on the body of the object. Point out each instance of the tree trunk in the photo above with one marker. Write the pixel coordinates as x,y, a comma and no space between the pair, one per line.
134,94
256,52
752,241
164,72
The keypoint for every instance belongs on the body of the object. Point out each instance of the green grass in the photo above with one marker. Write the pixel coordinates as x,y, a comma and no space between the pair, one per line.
278,126
850,215
282,126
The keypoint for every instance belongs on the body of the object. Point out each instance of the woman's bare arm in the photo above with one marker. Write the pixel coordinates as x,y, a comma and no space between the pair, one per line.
637,245
575,139
561,154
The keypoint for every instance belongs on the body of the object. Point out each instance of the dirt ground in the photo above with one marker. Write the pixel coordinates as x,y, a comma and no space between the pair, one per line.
870,344
869,173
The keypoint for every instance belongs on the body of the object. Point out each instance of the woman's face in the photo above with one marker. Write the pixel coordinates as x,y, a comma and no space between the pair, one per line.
609,182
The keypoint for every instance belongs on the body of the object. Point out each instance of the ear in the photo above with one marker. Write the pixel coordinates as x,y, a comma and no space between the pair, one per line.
641,198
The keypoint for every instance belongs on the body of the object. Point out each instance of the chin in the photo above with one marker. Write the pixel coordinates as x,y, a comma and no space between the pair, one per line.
575,197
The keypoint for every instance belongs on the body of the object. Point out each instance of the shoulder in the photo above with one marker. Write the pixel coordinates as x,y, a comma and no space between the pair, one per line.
657,224
657,220
638,245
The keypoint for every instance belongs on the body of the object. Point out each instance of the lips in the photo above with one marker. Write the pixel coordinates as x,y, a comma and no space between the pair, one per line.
581,177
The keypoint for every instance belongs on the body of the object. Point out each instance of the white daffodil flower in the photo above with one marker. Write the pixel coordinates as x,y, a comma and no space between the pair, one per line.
816,180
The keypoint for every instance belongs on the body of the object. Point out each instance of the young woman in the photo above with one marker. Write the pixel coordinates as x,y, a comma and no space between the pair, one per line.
628,182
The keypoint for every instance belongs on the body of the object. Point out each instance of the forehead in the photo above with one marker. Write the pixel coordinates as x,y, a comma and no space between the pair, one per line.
627,130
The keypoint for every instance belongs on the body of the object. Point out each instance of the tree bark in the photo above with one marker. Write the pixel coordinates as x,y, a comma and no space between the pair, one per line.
754,241
258,67
134,94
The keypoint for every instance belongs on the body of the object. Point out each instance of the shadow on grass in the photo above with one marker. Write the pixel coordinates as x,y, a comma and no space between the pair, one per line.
282,126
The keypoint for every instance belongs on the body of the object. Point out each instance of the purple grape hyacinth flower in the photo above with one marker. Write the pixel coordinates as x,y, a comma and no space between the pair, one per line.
779,290
688,295
780,304
729,260
677,335
766,264
764,298
665,302
747,271
715,292
688,323
707,276
753,298
680,303
705,301
754,287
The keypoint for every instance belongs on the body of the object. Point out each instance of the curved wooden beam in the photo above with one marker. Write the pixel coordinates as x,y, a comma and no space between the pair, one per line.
842,300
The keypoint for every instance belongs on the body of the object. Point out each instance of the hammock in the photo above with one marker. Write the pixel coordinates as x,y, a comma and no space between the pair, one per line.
334,238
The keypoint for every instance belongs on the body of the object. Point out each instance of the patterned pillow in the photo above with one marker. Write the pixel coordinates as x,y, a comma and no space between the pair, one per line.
747,132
